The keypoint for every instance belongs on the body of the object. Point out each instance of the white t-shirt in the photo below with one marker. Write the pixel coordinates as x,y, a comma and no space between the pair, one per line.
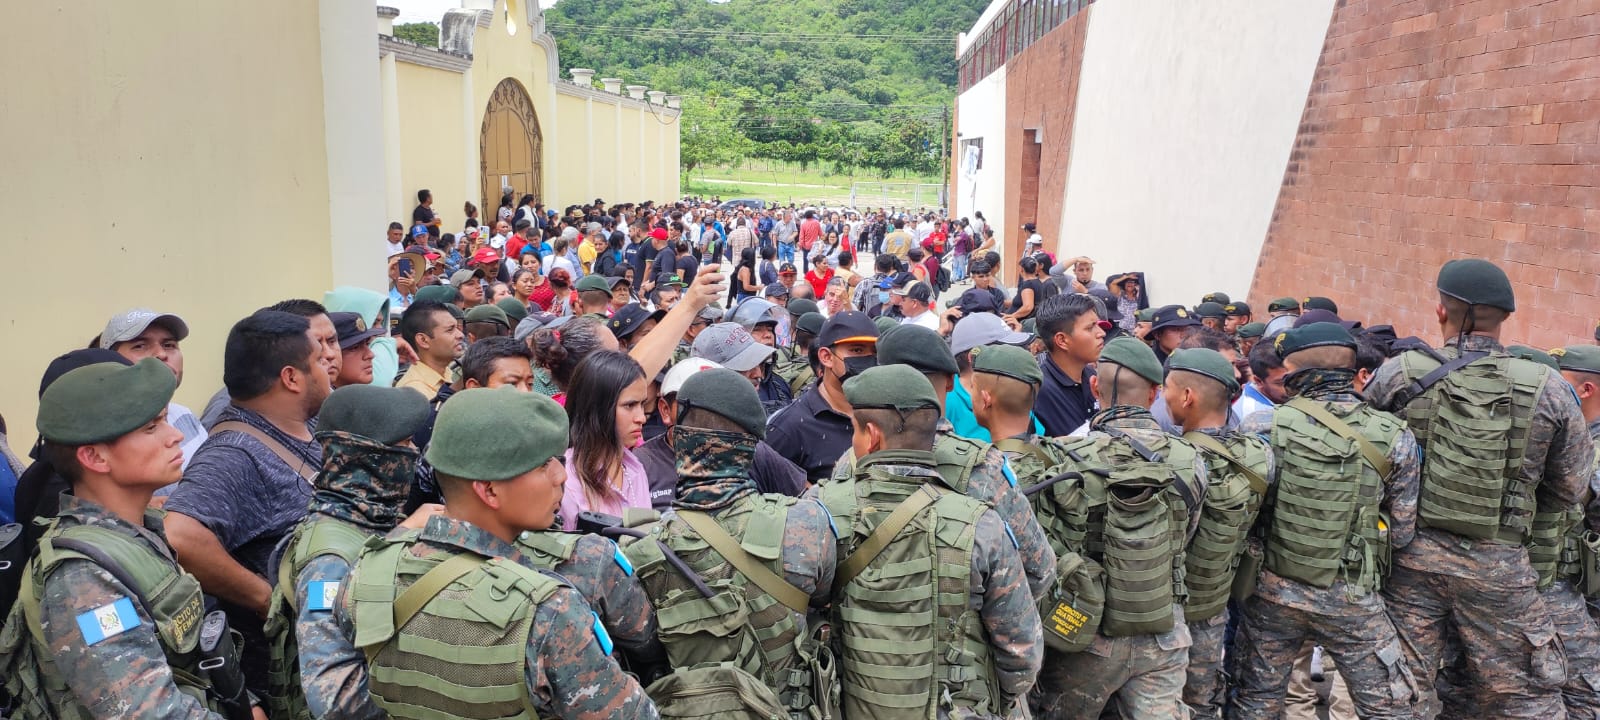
561,261
399,247
927,319
924,229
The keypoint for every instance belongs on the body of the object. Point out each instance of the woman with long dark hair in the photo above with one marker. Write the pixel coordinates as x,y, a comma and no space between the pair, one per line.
745,282
560,350
607,413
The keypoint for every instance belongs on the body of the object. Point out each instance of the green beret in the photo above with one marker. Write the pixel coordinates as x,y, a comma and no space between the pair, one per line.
1220,298
1547,359
893,387
514,309
884,322
488,313
918,347
1147,315
1237,308
1477,282
1207,362
1133,355
810,322
802,306
456,312
470,439
1577,358
1008,360
1320,334
437,293
104,401
1210,310
1283,304
385,414
592,282
725,393
1252,330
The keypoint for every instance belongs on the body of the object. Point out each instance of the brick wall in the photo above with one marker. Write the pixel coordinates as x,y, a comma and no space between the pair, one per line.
1041,94
1438,129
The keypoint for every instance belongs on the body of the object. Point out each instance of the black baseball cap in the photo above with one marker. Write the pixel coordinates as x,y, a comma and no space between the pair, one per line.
78,359
848,326
976,301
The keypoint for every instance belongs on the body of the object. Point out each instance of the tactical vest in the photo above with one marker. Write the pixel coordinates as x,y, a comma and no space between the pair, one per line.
911,643
548,549
174,603
1326,524
1130,515
286,697
740,623
955,458
795,369
464,651
1473,428
1557,545
1233,498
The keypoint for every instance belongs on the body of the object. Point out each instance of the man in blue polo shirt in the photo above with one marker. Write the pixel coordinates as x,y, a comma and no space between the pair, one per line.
976,330
1073,332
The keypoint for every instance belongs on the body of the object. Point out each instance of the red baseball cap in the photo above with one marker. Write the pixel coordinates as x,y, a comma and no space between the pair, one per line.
659,233
485,255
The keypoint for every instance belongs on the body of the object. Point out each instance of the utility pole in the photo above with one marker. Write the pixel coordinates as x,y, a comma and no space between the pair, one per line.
944,159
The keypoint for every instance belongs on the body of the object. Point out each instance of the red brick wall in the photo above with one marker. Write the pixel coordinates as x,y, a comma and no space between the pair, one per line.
1438,129
1041,93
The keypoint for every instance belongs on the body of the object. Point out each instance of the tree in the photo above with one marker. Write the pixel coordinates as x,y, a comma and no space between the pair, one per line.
425,34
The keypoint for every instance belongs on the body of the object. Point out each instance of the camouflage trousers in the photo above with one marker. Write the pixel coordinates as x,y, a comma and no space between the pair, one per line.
1206,683
1365,647
1132,678
1509,647
1580,638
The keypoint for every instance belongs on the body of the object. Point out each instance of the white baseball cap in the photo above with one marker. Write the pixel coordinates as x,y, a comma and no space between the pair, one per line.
682,371
132,324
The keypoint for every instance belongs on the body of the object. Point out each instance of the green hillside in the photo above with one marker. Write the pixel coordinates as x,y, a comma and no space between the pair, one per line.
846,84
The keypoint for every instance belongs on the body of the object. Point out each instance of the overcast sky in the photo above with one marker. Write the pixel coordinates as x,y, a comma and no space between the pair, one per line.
429,10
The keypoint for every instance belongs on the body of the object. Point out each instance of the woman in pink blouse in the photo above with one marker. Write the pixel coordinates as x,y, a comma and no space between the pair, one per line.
606,405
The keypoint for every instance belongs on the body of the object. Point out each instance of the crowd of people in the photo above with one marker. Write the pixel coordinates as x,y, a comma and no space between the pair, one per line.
631,461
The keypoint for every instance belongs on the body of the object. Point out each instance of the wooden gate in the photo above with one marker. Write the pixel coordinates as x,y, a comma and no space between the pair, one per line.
511,147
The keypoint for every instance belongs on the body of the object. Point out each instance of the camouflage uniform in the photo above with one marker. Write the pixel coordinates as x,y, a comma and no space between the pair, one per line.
998,585
567,671
362,486
126,668
714,478
991,481
596,568
1206,685
1485,589
1346,619
1140,676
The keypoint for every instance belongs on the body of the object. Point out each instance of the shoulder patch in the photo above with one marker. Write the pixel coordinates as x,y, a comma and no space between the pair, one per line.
1011,535
108,621
620,559
1005,469
320,596
600,634
829,516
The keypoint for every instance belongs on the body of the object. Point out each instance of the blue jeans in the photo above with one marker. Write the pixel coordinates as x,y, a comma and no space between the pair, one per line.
958,267
785,252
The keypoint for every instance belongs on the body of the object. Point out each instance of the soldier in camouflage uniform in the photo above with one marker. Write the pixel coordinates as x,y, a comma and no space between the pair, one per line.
1345,493
107,624
772,554
1563,590
1200,389
1133,669
971,467
1468,567
451,619
368,466
906,541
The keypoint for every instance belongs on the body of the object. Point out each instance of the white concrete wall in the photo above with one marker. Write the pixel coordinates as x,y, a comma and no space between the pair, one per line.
1186,115
981,113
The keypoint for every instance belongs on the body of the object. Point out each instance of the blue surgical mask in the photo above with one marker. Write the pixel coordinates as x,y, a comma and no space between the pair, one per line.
883,296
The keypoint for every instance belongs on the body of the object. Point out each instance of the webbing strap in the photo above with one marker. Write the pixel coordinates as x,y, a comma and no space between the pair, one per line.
885,533
1190,500
1421,385
1023,447
106,563
792,597
1257,483
1374,458
430,584
301,467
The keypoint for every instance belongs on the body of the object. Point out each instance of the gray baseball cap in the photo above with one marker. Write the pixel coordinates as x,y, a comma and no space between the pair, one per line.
984,329
131,324
731,346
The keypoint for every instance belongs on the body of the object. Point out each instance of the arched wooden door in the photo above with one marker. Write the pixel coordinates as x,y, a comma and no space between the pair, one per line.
511,146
